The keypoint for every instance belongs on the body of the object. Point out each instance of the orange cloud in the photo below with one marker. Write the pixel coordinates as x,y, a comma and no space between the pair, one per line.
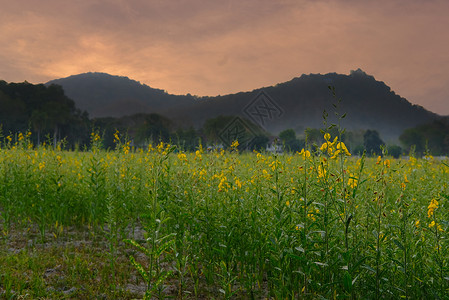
219,47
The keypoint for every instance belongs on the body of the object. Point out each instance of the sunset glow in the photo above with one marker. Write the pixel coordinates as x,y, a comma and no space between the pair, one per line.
221,47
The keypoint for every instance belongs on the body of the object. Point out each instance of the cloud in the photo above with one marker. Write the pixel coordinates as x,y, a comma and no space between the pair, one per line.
218,47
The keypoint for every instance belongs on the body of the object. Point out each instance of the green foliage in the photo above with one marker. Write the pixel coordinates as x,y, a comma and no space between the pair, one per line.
287,135
44,110
433,136
289,140
372,142
220,224
394,150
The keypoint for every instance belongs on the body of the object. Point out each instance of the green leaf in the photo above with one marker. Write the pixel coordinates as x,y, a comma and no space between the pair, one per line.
398,243
347,282
300,249
139,268
369,268
139,247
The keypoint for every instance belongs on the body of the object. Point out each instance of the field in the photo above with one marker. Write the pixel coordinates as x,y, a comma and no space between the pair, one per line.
163,223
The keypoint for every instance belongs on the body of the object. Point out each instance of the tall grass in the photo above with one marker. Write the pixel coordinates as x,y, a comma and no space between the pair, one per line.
226,224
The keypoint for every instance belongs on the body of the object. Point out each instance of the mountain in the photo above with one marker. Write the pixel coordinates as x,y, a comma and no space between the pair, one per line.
367,103
104,95
298,103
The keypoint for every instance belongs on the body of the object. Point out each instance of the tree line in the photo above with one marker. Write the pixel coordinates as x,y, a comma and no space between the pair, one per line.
52,117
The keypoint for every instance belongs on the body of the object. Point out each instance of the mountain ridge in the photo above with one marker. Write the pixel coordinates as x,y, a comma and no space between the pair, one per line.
367,102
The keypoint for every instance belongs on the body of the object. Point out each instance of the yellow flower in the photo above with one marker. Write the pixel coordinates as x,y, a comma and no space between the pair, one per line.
352,181
235,144
321,171
336,153
182,157
329,146
287,203
223,185
431,208
198,155
341,146
432,224
304,153
116,137
387,163
417,223
238,183
379,159
324,146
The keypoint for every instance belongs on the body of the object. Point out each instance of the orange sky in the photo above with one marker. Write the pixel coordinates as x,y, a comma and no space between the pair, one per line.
218,47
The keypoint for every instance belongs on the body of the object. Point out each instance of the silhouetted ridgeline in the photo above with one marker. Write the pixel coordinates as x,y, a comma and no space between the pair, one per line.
369,104
104,95
145,113
45,110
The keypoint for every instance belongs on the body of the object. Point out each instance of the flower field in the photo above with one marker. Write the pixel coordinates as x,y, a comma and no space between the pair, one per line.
159,223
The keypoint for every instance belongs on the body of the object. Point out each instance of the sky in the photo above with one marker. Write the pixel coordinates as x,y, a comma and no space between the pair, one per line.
225,46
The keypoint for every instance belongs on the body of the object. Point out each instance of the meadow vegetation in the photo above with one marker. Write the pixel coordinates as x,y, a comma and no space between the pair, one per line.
160,222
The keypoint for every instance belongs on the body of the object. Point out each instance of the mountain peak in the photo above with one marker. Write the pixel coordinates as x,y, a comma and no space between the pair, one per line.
368,103
105,95
359,72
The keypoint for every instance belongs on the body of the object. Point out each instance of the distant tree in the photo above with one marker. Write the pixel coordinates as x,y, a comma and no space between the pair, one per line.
221,128
431,136
44,110
295,145
187,140
314,136
214,126
289,140
372,142
358,150
39,121
259,143
394,151
287,135
155,127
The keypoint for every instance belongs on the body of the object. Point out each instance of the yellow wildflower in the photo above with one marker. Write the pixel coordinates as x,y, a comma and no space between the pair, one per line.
304,153
198,155
336,153
182,156
431,208
116,137
341,146
321,171
379,159
352,181
238,183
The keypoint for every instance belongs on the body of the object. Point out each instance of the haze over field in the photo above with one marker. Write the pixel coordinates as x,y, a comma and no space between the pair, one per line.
222,47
